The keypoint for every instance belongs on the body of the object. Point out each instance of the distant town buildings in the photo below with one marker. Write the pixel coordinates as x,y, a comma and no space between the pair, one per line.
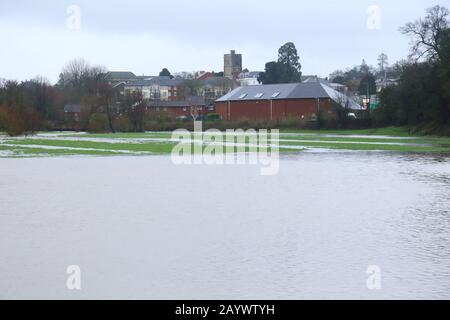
232,65
235,95
249,78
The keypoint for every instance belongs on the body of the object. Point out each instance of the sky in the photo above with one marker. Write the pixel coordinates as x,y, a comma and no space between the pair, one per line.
144,36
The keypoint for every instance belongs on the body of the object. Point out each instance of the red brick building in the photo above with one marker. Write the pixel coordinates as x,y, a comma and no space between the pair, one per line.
191,106
282,101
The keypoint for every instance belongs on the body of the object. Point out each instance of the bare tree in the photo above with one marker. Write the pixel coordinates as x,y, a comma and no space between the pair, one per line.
81,76
109,101
426,33
383,62
135,108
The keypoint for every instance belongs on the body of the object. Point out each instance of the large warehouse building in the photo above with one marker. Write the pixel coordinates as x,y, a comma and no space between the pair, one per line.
282,101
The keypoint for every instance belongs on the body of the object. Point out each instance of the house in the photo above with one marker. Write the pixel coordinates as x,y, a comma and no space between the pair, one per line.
190,107
249,78
384,83
215,87
72,112
206,75
282,101
158,88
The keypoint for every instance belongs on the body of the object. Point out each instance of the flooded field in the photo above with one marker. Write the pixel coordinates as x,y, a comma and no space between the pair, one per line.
143,228
158,143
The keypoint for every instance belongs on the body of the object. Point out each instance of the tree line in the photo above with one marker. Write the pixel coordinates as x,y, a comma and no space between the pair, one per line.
35,105
421,99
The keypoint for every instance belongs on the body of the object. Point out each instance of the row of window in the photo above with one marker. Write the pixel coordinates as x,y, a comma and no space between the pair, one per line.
259,95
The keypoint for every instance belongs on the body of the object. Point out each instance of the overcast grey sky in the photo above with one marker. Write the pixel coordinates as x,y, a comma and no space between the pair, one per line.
145,36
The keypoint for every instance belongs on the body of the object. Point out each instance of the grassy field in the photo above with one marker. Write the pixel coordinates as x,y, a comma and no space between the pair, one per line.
47,144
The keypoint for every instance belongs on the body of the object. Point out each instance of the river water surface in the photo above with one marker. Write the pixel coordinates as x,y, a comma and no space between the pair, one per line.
143,228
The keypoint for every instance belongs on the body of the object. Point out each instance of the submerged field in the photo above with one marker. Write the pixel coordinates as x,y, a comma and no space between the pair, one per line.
160,143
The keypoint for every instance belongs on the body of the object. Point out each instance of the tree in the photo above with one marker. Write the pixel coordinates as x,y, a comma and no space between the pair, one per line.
165,73
288,56
364,68
18,109
134,108
422,97
272,74
79,78
426,34
383,63
108,99
286,70
367,85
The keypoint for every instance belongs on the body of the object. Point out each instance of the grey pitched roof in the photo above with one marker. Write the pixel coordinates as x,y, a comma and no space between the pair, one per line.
72,108
308,90
120,75
267,91
161,81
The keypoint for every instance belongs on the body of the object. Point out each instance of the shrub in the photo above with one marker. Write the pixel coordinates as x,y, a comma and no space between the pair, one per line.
98,123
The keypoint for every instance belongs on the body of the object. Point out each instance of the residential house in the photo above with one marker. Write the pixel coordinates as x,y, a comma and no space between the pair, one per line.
249,78
158,88
190,107
213,88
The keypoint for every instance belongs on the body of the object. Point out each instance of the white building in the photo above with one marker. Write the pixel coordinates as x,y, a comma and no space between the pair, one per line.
249,79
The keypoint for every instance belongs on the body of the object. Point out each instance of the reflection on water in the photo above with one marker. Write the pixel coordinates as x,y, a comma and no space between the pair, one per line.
143,228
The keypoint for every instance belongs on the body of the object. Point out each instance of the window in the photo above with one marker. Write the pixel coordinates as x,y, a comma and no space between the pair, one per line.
275,95
242,96
259,95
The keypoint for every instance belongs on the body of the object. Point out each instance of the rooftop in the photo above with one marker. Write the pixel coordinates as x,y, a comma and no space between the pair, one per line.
161,81
120,75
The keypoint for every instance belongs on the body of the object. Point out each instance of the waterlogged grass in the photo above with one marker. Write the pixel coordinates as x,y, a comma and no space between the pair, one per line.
389,131
59,144
40,147
18,152
152,147
368,147
145,135
444,142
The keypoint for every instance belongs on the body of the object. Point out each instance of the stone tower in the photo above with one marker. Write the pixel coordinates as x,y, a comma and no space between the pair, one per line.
232,65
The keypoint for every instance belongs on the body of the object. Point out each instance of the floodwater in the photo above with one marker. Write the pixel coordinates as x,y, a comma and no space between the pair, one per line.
143,228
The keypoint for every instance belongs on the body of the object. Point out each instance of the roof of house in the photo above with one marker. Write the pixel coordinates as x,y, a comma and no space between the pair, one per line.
160,81
120,75
251,74
308,90
206,75
73,108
